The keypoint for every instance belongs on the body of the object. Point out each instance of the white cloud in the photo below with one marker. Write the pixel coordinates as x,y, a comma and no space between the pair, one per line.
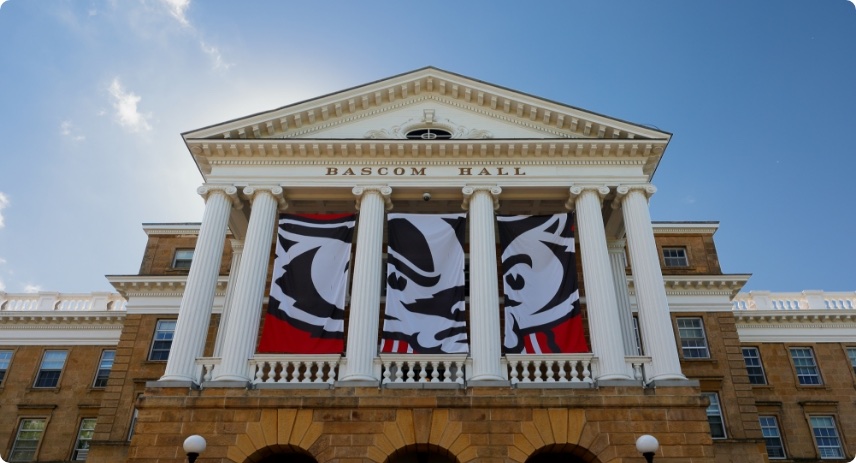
2,286
67,129
216,56
125,104
4,201
32,288
177,9
1,6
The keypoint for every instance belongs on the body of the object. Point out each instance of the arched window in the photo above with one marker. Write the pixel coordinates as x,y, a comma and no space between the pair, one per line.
429,134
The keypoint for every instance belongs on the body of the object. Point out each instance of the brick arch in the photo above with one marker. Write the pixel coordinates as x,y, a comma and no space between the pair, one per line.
277,431
566,453
431,449
557,430
420,428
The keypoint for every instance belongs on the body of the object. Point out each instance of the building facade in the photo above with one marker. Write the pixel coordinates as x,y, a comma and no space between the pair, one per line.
175,353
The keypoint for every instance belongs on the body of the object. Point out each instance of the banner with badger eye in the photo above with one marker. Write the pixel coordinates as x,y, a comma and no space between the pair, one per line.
542,299
425,309
306,310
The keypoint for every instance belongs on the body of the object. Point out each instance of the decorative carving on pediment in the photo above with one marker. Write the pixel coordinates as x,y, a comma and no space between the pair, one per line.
429,121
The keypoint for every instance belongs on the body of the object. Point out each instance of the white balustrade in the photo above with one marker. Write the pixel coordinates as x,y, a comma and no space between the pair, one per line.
71,302
206,368
294,371
548,369
639,365
805,300
424,370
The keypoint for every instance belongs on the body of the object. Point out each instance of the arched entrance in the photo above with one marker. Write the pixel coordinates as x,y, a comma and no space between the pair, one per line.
288,458
280,454
424,453
568,453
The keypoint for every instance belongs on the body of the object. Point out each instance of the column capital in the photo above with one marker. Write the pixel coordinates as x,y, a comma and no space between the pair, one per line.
616,246
230,191
577,190
276,191
646,188
469,191
384,190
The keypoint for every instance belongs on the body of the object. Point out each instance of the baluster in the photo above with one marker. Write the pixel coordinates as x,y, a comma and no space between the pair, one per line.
459,372
386,366
410,373
398,373
331,374
294,376
563,372
538,374
514,374
586,371
550,373
435,372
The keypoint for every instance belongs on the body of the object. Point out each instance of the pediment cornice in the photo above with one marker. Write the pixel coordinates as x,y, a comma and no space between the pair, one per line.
303,118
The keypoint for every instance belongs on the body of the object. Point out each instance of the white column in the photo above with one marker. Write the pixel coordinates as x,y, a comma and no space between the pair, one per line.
601,304
366,285
651,301
194,313
243,325
618,261
485,342
237,250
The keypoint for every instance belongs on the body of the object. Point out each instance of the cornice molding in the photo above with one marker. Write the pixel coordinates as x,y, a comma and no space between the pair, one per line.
795,318
157,285
699,285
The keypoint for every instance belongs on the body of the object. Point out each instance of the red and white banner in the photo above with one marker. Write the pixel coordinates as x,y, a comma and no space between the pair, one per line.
425,309
306,311
542,299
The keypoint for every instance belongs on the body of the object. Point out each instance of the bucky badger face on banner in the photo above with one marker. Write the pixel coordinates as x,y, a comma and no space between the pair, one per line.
538,274
425,284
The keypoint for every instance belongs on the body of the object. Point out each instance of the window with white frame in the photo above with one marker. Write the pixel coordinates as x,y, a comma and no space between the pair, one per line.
104,367
754,368
675,257
5,361
714,416
851,354
162,341
182,258
51,368
84,438
806,367
637,335
826,437
693,341
27,439
772,437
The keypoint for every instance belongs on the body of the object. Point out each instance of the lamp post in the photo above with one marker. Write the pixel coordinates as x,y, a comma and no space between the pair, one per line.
647,445
193,446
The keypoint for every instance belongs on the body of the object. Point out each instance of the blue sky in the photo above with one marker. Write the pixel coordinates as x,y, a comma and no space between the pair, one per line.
760,97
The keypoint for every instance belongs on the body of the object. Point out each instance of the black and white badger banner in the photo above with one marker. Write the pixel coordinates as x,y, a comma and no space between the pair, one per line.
306,311
542,299
425,309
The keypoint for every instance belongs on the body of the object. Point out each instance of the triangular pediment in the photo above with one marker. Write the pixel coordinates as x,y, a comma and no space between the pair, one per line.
426,98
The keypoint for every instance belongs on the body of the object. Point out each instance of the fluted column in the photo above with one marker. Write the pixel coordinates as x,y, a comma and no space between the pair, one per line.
485,342
618,262
363,321
243,325
237,250
651,301
601,304
194,313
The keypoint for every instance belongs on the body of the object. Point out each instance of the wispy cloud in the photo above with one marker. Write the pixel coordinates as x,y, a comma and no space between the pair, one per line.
689,200
177,8
216,56
125,103
4,201
67,129
32,288
2,286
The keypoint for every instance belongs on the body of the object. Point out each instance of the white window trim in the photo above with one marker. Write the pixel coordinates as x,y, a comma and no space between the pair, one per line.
777,436
713,397
16,442
705,348
43,369
839,447
760,365
813,365
77,452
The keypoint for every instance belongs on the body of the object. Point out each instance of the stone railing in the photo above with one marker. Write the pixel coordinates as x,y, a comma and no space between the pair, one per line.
51,302
805,300
530,370
423,370
298,371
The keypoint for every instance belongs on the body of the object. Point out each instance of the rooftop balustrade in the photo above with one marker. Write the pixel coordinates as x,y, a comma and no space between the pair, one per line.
805,300
64,302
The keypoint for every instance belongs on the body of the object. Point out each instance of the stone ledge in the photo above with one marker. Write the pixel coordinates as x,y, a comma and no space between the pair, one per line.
620,383
227,384
173,384
357,383
489,383
289,385
674,383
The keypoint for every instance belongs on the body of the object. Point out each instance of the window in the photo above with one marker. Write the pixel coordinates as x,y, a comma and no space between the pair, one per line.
104,367
693,342
133,423
84,437
637,335
51,368
182,258
5,360
429,134
826,437
772,437
163,340
27,440
714,416
851,354
806,367
675,257
753,365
